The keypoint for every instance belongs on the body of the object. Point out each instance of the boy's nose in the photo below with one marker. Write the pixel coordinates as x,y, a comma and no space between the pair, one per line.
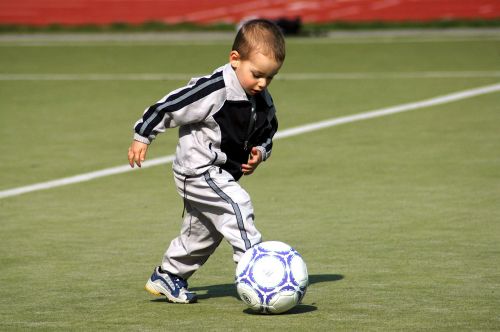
262,83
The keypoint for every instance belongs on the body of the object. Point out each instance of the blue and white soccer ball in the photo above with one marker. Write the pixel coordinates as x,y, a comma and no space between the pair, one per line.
271,277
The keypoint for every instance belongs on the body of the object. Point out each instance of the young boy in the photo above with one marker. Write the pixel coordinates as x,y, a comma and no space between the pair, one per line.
226,124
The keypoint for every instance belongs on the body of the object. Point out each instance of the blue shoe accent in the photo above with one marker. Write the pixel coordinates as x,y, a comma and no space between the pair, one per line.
170,285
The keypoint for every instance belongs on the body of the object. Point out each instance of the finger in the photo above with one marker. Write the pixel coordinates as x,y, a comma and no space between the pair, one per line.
143,155
137,158
253,162
130,157
247,169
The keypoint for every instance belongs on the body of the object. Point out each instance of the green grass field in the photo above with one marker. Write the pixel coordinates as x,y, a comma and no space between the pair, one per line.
398,217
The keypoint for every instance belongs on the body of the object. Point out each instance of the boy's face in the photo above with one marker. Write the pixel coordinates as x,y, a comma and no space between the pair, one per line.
254,73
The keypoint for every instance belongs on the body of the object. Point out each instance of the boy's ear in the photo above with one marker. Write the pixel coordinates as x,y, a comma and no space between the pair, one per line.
234,59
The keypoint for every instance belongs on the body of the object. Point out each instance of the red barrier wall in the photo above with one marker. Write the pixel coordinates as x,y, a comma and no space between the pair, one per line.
78,12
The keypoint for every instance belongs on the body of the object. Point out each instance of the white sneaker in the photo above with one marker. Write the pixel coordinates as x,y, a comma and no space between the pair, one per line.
170,285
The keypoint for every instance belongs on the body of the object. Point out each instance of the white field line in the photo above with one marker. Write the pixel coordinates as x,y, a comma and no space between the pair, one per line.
97,77
388,111
281,134
386,75
283,76
83,177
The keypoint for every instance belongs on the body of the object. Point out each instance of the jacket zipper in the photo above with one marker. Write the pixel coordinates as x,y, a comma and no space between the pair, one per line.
251,124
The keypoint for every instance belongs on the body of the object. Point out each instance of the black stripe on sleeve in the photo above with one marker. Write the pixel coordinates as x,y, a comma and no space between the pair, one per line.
174,102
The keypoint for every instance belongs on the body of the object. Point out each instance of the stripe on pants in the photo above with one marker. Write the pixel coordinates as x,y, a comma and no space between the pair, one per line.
236,209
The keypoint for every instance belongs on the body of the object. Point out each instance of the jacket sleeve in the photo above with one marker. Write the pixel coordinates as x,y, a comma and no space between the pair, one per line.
190,104
266,140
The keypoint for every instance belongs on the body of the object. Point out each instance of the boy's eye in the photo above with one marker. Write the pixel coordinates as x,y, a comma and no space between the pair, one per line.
258,76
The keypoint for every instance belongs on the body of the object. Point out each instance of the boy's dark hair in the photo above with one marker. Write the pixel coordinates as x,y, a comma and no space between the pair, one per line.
260,35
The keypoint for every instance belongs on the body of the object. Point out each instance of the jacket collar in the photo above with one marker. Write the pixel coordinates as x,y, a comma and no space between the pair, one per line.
234,90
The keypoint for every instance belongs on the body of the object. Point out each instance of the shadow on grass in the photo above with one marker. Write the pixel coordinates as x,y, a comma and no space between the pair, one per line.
229,290
298,309
225,290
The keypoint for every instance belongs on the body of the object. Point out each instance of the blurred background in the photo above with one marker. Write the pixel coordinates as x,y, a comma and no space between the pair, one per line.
157,14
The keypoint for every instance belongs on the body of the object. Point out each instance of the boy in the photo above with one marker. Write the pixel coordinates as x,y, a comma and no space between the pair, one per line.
226,124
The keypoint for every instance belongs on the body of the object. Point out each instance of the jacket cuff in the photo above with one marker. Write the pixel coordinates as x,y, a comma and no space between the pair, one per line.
142,139
264,152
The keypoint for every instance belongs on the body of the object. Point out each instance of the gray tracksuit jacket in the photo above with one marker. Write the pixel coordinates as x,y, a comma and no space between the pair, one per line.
218,123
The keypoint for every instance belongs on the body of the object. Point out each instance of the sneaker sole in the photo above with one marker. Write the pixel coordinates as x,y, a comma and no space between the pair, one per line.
150,287
154,289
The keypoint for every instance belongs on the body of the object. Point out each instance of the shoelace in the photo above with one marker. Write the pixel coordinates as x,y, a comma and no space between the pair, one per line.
180,282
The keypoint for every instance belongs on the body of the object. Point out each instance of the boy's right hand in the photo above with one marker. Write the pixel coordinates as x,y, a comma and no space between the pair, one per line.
137,153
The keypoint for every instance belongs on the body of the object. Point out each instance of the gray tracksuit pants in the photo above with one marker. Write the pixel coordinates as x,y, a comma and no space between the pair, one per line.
217,207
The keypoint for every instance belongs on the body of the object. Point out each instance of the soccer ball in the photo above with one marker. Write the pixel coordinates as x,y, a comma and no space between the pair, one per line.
271,277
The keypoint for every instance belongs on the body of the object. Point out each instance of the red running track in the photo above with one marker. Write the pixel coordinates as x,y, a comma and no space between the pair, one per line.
79,12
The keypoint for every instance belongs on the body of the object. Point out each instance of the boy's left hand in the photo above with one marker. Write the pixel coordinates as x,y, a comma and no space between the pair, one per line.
254,160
